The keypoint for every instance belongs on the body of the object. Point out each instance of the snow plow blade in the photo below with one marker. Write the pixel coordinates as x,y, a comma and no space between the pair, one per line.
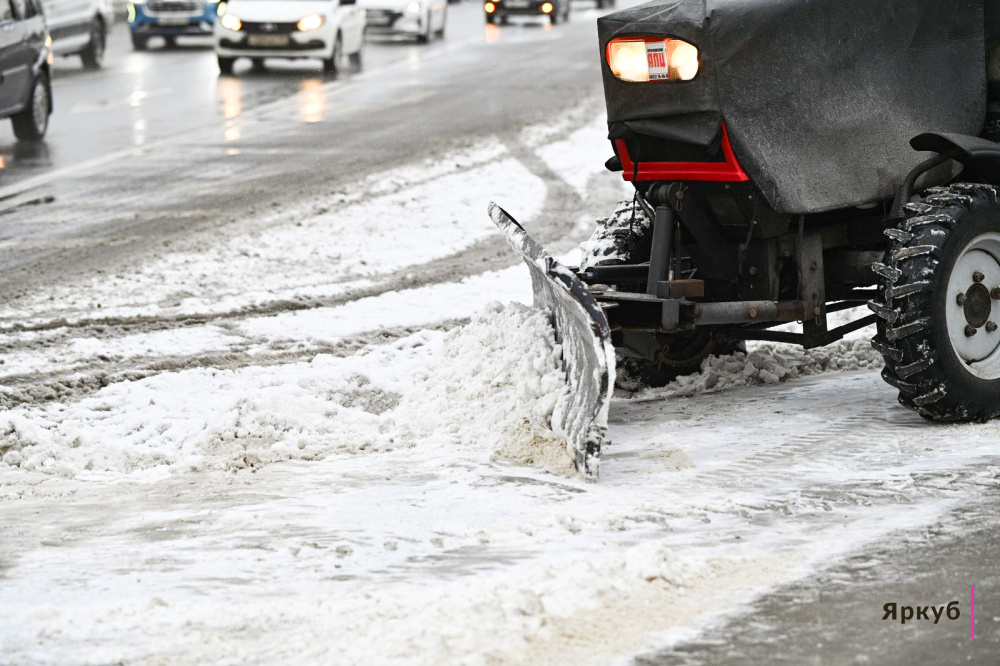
588,356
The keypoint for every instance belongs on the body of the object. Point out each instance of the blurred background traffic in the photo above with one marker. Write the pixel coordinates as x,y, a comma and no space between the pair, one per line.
79,78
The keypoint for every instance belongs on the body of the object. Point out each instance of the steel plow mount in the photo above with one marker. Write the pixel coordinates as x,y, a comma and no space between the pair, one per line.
581,328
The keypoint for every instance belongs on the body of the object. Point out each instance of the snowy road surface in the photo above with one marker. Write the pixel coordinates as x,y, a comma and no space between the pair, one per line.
292,424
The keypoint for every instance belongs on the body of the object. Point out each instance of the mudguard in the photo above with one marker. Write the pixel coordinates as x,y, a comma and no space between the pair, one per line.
582,330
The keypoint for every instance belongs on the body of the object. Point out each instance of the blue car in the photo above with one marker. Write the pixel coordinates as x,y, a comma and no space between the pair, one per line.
169,19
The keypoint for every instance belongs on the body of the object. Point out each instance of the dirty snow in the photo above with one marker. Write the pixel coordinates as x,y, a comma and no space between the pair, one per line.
402,500
491,385
315,252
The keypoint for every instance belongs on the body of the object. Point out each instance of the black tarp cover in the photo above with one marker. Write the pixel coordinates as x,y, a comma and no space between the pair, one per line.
820,97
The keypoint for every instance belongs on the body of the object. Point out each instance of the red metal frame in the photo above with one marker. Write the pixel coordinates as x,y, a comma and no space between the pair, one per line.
729,171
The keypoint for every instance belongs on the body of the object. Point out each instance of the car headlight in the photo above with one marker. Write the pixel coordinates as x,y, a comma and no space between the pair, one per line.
311,22
413,7
231,22
652,59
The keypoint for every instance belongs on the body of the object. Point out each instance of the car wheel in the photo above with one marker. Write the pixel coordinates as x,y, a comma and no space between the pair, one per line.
554,18
169,42
139,42
490,19
426,37
332,64
258,64
444,20
226,65
93,54
32,121
357,58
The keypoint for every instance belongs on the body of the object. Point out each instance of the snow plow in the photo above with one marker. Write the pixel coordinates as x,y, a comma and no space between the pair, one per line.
791,160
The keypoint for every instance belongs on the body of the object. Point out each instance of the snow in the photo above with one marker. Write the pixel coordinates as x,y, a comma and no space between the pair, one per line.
312,252
434,551
413,307
259,494
492,384
581,155
770,364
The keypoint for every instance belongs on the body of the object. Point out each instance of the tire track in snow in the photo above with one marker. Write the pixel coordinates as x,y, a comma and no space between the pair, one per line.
556,225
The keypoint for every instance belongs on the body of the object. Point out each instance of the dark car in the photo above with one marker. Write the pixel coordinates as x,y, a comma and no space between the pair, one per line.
497,11
25,55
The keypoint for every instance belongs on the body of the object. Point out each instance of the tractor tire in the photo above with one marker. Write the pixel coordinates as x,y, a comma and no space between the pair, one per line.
625,237
938,305
678,355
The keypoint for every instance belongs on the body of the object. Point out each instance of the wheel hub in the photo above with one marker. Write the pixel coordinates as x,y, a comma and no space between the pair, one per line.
978,305
971,320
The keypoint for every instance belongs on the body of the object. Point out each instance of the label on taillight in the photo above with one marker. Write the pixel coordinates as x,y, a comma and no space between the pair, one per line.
656,57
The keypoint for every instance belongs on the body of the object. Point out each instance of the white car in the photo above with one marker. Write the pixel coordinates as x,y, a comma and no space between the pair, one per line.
79,27
329,30
420,18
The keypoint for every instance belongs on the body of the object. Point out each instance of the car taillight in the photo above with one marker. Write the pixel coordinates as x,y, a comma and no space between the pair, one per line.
652,59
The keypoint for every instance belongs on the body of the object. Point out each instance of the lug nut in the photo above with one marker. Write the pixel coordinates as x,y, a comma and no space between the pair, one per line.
970,331
991,327
753,313
961,298
978,277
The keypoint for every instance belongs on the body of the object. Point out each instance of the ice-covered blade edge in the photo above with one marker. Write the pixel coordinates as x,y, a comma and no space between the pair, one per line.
582,330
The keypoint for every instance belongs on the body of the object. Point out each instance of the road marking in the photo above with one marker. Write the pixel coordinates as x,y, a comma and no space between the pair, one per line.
136,99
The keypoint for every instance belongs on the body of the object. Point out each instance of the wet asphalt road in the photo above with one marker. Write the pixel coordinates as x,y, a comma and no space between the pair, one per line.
157,143
835,618
140,97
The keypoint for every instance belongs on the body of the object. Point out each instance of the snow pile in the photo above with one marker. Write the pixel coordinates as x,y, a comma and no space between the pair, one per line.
491,391
497,383
219,419
768,363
